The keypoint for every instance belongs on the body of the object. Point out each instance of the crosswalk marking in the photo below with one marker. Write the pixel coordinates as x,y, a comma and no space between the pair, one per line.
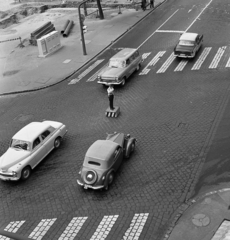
136,226
181,65
228,63
201,59
104,227
217,57
12,227
167,63
83,74
152,62
42,228
73,228
145,55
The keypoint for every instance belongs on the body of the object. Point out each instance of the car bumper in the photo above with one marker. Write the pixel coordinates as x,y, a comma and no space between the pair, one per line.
6,177
109,83
86,186
183,55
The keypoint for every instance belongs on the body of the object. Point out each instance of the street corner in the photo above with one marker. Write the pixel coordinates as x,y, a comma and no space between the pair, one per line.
206,217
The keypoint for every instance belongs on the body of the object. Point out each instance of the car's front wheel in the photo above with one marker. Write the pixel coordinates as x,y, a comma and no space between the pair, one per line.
138,67
109,180
57,142
132,148
123,82
26,172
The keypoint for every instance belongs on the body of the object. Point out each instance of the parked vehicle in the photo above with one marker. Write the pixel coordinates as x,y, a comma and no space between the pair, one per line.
29,147
120,67
103,159
188,45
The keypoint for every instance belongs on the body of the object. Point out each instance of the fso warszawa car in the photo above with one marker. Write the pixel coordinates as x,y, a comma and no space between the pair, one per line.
103,159
28,147
120,67
188,45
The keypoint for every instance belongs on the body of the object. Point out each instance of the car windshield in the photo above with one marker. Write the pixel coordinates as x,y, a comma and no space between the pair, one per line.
116,63
19,144
186,43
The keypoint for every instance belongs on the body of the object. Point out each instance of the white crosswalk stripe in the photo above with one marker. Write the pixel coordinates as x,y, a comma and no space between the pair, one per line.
228,63
104,227
181,65
83,74
152,62
73,228
167,63
136,226
201,59
42,228
217,57
145,55
12,227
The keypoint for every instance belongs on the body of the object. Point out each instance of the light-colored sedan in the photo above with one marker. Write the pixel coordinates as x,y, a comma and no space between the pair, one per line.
29,147
188,45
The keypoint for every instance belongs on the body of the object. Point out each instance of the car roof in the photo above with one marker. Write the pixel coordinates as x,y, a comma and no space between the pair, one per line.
189,36
101,149
31,131
124,53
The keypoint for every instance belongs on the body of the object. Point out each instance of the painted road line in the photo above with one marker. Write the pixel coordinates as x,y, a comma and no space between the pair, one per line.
223,232
94,76
217,57
181,65
42,228
73,228
228,63
104,227
201,59
169,31
12,227
83,74
136,226
145,55
167,63
152,62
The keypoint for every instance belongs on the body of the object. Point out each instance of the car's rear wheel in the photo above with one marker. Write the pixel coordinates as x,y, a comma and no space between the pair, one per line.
57,142
109,180
138,67
26,172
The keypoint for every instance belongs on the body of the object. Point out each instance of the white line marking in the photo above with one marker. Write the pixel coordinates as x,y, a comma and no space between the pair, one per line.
104,227
73,228
198,16
42,228
83,74
152,62
171,31
201,59
158,29
94,76
167,63
136,226
12,227
217,57
181,65
145,55
228,63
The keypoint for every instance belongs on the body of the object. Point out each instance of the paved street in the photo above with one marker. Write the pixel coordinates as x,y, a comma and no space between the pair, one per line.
173,107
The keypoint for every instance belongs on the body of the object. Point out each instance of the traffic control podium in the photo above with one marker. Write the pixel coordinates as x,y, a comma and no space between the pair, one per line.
112,113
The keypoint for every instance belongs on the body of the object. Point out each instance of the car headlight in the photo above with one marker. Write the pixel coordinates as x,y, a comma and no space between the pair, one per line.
98,77
103,178
117,78
14,174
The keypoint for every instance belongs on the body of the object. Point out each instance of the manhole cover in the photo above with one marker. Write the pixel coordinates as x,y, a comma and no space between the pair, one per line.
23,118
200,220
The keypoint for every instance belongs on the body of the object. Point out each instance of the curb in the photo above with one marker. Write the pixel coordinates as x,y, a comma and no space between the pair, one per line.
179,212
86,63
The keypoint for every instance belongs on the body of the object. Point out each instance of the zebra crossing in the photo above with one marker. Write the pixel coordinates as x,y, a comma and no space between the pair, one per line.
102,231
154,62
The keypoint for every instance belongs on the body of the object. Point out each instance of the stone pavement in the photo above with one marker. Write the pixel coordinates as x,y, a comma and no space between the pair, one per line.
204,218
22,69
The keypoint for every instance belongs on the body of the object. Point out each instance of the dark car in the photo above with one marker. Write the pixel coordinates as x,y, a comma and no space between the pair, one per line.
103,159
188,45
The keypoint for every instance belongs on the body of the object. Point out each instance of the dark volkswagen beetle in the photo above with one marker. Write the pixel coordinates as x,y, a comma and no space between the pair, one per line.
103,159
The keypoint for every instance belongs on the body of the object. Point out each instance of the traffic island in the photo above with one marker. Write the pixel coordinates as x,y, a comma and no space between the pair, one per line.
112,113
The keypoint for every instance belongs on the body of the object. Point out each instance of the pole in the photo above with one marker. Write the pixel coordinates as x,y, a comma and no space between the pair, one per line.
81,27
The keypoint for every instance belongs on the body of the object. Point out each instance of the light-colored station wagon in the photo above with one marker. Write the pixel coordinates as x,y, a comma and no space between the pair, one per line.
120,67
28,147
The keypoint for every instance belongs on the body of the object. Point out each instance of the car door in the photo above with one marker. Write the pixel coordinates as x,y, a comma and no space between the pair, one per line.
118,157
48,140
38,151
128,67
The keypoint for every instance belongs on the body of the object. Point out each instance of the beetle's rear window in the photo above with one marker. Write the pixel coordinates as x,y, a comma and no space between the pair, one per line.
94,163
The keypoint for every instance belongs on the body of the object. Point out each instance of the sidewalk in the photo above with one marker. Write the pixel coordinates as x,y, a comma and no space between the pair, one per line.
207,218
22,69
